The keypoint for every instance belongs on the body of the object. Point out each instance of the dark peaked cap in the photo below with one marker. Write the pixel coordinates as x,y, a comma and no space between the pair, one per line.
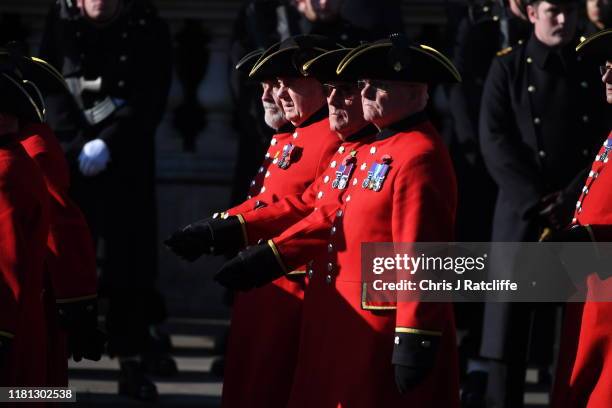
597,46
287,57
17,100
323,67
397,59
247,62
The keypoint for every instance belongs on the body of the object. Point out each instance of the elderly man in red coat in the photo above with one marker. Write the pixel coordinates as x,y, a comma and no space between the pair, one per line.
402,190
584,377
258,371
70,264
24,226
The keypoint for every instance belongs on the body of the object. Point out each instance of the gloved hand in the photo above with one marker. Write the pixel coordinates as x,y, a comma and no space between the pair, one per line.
88,343
407,377
94,157
556,210
80,321
413,357
208,236
251,268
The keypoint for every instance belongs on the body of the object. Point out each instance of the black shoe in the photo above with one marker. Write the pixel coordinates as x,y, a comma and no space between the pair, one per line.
134,383
218,367
474,390
158,341
160,364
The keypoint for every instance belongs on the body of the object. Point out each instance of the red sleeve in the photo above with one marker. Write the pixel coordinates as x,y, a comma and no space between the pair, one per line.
269,221
424,204
71,260
301,242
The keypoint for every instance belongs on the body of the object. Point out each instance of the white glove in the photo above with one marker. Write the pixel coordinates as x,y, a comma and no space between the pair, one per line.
94,157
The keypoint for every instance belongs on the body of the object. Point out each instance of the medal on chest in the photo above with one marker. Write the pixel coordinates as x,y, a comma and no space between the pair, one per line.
377,174
289,154
343,174
603,157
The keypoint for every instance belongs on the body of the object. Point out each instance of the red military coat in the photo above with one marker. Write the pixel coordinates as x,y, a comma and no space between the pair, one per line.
24,224
70,261
590,382
262,346
346,343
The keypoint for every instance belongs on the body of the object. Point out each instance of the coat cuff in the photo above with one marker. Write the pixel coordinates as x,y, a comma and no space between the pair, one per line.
278,257
415,347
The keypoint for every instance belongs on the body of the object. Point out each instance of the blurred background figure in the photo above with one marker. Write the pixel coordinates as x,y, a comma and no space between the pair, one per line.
599,16
488,27
116,58
540,124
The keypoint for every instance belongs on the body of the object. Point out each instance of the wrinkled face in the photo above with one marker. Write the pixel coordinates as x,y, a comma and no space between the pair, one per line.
345,109
554,24
385,102
99,10
300,98
8,124
606,78
598,10
321,10
274,115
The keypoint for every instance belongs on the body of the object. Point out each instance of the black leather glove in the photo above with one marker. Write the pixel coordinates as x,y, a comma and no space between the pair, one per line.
80,321
5,349
87,343
556,210
208,236
251,268
413,357
76,315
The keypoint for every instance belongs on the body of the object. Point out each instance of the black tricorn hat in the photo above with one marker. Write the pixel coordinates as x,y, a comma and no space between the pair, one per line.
287,57
323,67
597,46
397,59
20,98
247,62
37,70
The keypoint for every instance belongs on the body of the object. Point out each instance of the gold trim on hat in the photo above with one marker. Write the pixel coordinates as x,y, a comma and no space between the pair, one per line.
27,95
357,52
247,57
262,60
51,69
593,37
424,49
308,64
